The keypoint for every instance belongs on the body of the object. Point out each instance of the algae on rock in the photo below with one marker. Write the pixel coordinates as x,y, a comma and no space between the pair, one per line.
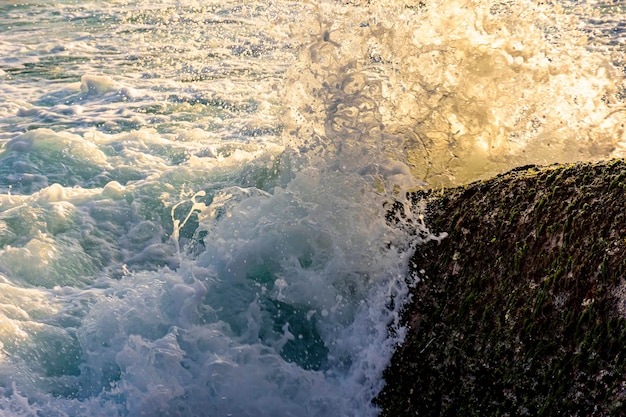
522,309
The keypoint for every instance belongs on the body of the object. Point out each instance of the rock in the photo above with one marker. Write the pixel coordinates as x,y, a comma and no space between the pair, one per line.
521,310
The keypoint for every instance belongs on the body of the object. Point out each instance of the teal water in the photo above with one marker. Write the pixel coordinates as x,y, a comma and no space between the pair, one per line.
193,194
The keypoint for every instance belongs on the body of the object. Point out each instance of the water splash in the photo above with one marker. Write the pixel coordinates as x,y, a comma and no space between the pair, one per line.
456,90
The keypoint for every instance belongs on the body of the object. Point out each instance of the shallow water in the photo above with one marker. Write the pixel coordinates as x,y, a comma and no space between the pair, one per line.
193,193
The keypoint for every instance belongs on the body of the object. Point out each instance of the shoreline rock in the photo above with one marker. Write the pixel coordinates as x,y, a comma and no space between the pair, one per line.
521,310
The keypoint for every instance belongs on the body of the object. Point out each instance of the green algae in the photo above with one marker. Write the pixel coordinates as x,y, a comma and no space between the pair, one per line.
518,310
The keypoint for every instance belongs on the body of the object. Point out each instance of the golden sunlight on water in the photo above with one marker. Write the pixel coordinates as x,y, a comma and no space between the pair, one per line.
458,90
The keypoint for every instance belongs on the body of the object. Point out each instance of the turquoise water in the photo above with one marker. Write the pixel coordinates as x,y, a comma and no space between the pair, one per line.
193,194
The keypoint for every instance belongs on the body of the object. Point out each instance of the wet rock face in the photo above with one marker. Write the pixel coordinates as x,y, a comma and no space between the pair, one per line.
522,309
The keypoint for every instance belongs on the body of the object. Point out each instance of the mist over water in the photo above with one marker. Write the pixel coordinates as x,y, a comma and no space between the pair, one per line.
193,194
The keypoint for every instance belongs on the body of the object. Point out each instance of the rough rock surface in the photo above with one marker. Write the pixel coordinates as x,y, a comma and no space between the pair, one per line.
521,310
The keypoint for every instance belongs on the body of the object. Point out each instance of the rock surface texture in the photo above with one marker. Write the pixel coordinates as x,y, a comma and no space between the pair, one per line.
521,310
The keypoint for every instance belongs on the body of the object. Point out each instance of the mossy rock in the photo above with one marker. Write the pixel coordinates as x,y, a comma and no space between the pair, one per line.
521,310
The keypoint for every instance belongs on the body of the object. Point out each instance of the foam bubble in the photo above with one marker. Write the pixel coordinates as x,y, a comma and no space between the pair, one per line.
93,85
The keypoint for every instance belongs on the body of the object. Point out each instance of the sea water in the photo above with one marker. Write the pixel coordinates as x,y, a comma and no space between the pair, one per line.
193,193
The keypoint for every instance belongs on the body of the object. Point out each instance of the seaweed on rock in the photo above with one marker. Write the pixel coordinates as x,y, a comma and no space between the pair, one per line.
522,309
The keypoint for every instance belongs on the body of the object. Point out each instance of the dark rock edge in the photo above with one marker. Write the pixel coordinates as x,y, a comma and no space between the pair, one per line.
521,310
